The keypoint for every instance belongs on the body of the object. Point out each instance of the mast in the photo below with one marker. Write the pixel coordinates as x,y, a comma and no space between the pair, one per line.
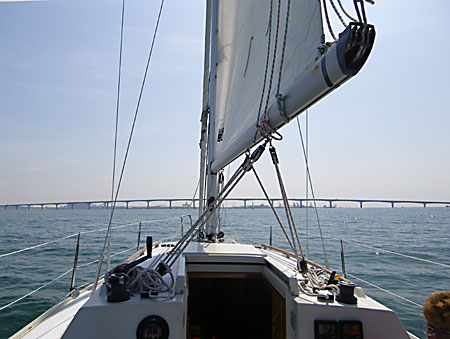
205,108
212,176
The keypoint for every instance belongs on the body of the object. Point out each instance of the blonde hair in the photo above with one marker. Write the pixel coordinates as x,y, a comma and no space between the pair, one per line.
437,308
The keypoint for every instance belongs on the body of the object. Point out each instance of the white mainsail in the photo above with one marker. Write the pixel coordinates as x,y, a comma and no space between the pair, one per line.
242,48
252,67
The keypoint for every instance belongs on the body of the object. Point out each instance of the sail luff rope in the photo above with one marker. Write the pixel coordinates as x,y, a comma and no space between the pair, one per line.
312,192
118,100
128,147
273,209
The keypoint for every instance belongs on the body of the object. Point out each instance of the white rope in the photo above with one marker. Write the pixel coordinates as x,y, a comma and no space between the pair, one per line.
384,290
150,280
84,232
316,281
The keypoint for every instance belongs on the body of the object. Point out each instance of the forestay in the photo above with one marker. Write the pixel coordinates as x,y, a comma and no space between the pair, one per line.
244,30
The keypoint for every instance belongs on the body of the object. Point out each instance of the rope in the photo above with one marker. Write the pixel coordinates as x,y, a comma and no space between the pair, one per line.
312,192
315,279
278,95
118,100
345,12
330,29
275,48
384,290
269,31
284,46
337,13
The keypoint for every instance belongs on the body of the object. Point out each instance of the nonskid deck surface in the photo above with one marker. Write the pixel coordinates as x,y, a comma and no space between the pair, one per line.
228,281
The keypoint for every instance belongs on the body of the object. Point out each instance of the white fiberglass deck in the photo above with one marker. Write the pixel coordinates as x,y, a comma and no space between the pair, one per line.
225,265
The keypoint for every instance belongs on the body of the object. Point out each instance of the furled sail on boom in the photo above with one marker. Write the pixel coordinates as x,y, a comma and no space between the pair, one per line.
253,66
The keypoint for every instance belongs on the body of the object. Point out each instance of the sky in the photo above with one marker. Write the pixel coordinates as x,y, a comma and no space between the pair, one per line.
382,135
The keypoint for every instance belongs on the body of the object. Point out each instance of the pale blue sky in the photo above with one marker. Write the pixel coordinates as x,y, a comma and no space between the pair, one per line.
384,134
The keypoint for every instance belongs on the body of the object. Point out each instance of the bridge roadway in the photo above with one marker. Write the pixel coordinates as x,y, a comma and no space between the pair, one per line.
297,202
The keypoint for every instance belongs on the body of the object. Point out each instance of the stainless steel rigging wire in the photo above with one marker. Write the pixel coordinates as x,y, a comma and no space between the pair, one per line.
289,216
273,209
118,100
312,192
128,148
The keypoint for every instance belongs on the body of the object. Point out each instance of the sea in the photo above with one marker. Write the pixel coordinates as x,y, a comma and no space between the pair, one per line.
398,255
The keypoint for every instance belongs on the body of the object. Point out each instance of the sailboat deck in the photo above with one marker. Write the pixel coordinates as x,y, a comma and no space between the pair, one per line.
240,277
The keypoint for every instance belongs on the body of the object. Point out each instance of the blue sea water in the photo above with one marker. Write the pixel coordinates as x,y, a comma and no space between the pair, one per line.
416,232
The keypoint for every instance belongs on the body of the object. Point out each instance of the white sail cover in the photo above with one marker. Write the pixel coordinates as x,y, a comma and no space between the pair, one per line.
241,48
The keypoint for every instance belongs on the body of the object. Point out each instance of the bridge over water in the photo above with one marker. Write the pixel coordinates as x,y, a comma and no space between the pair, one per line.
244,202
